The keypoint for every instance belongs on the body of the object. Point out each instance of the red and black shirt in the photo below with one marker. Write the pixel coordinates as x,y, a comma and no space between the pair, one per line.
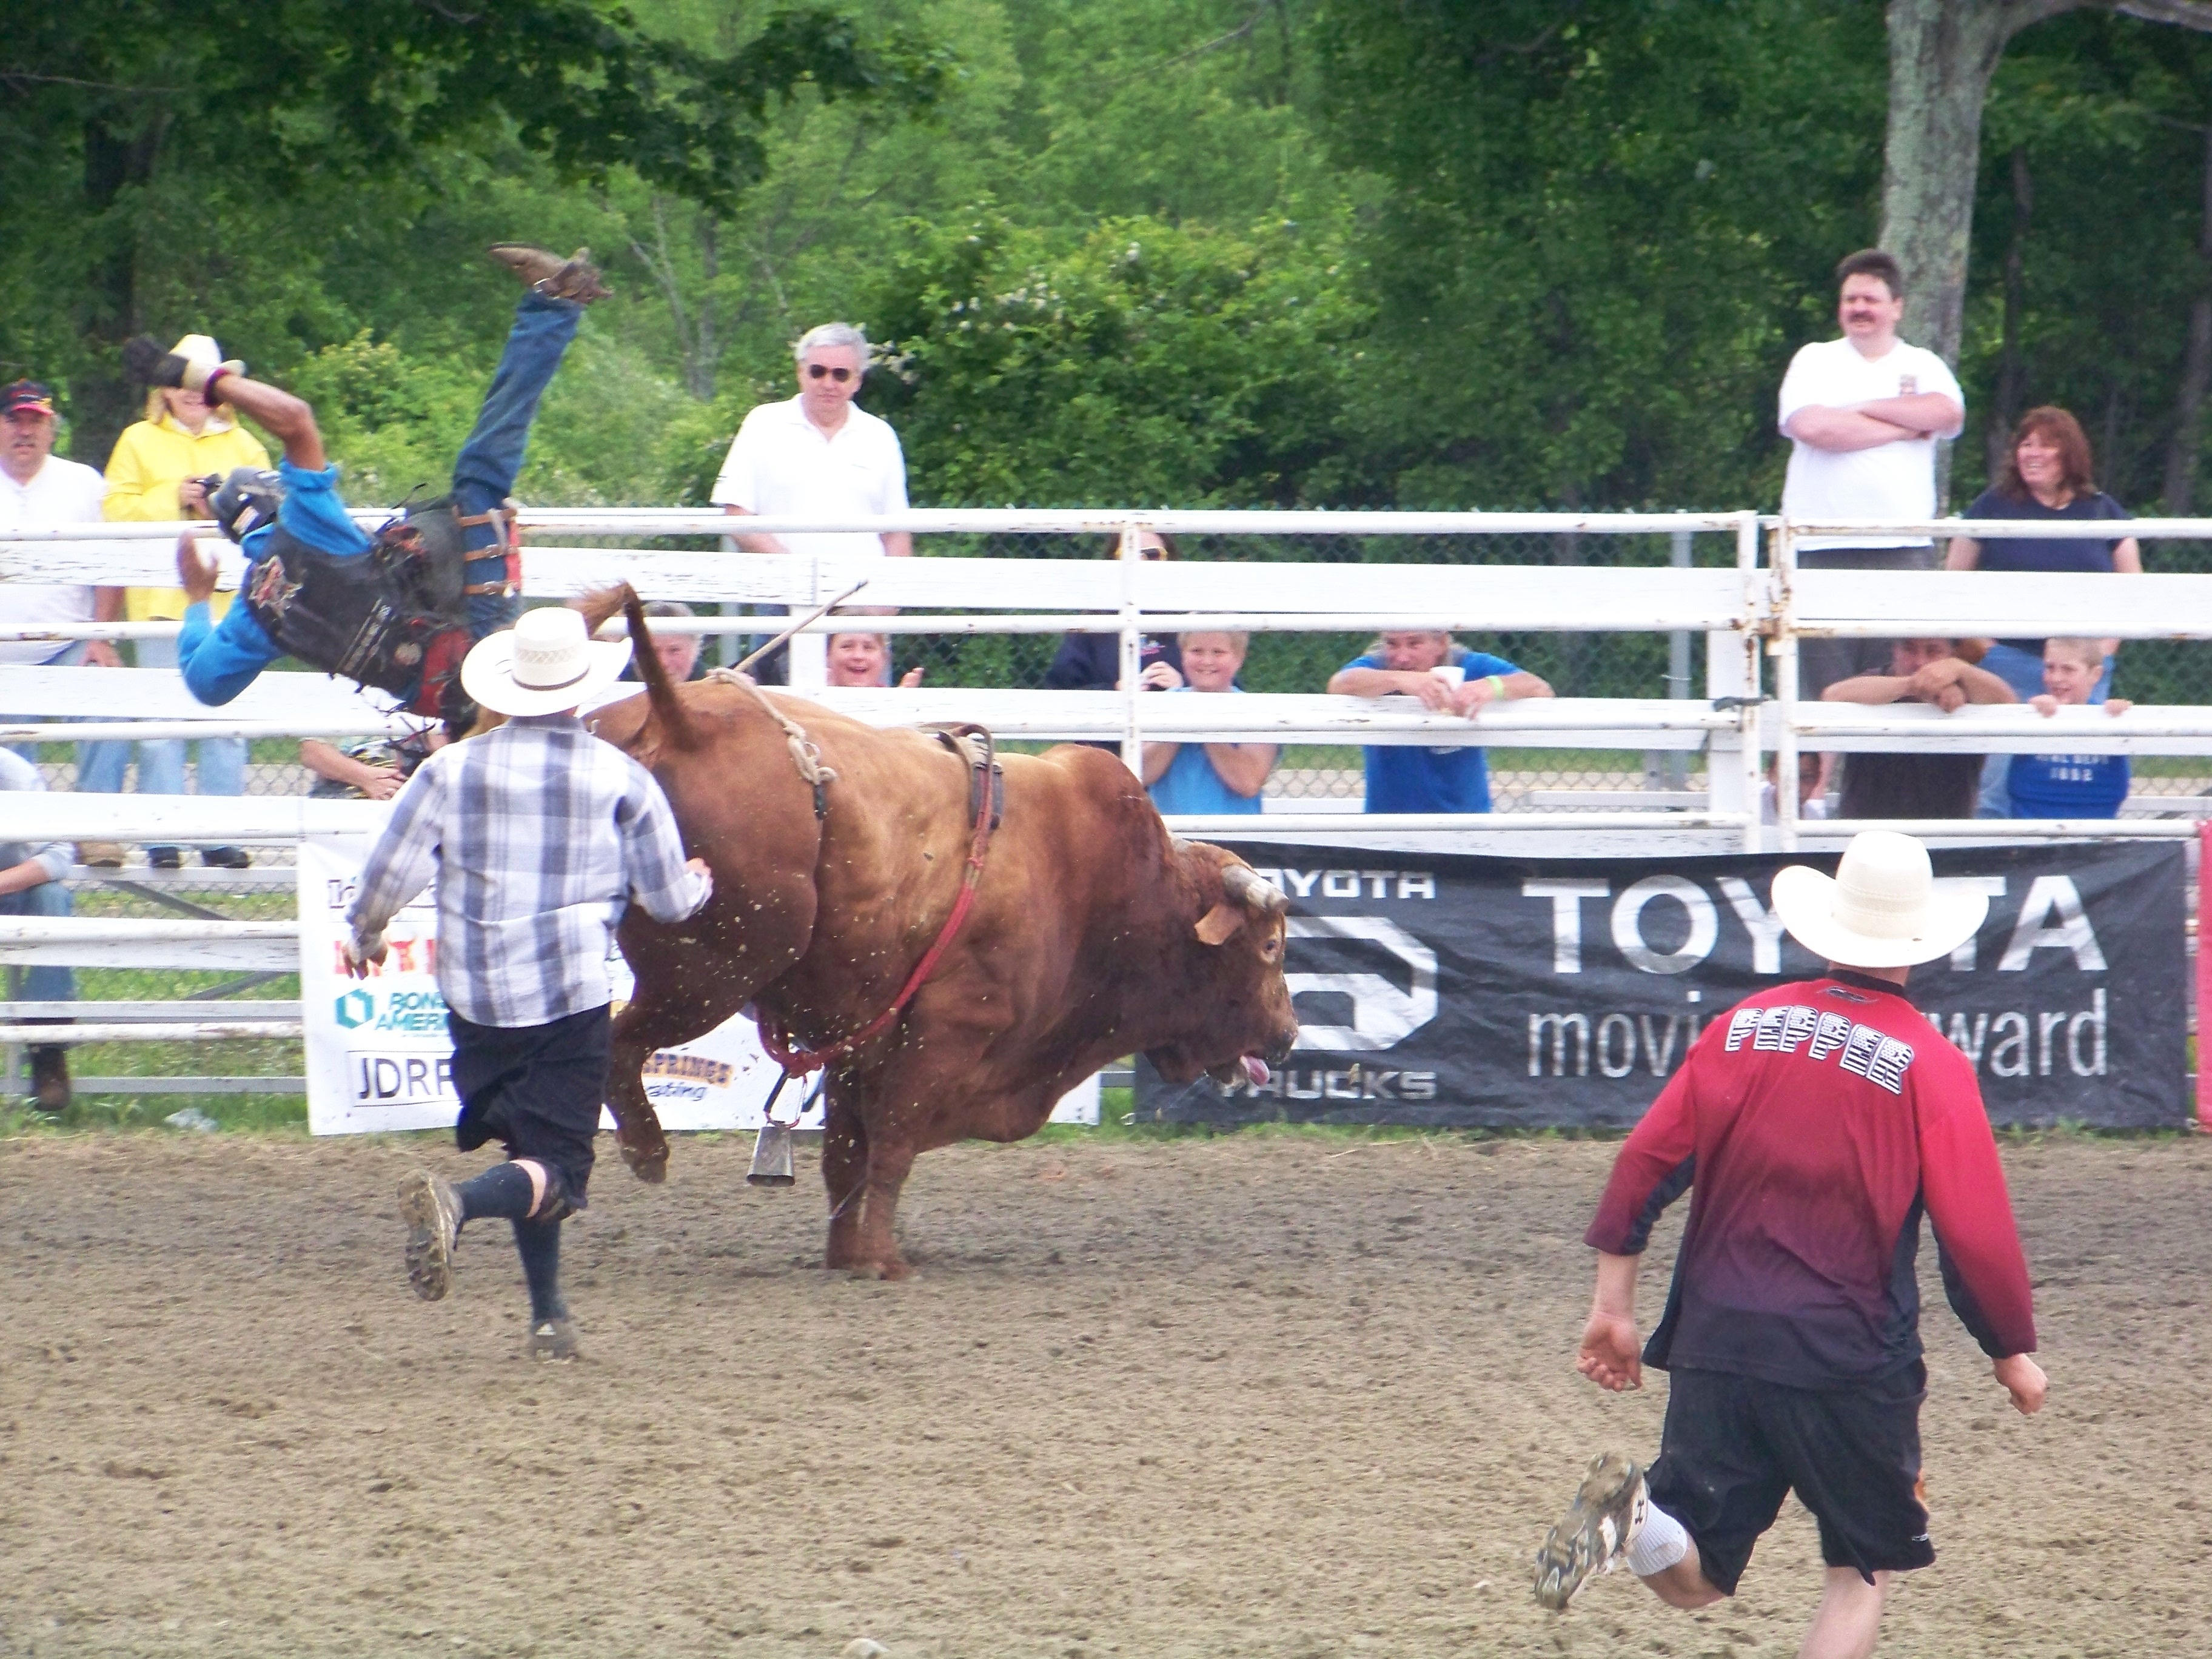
1817,1123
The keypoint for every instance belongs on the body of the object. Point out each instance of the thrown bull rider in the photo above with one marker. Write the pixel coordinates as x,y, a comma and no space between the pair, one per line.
397,611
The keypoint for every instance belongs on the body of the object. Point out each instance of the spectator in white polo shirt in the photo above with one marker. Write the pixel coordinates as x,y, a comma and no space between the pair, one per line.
39,491
1862,415
815,456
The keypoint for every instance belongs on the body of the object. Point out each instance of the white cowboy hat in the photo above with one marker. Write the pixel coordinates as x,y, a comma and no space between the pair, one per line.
1881,909
544,664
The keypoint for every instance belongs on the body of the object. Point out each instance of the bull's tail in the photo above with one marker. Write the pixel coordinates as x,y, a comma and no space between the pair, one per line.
659,690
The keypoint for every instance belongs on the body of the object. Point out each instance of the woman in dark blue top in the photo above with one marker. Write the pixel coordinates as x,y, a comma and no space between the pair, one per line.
2048,474
1092,662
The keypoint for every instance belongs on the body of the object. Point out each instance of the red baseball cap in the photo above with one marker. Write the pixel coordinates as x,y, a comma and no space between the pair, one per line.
27,395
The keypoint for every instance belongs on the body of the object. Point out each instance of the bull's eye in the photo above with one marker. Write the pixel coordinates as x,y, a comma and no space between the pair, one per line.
1271,948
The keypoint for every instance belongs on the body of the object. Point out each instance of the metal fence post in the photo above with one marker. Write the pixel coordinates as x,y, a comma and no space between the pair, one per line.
1746,561
1669,768
1131,558
1783,647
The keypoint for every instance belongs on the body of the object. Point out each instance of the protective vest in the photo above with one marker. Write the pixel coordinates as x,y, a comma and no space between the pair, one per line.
394,617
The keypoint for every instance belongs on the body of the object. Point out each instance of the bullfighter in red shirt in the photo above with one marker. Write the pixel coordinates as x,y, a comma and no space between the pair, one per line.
1816,1124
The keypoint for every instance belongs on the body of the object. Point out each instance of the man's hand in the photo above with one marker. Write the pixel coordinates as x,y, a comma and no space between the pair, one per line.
700,868
2023,1379
381,783
361,956
1470,695
1611,1355
194,573
100,653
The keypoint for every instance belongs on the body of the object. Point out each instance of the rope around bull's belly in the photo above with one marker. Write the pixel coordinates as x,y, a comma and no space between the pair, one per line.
776,1037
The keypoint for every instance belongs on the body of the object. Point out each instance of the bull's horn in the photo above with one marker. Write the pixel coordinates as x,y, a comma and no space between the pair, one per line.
1240,884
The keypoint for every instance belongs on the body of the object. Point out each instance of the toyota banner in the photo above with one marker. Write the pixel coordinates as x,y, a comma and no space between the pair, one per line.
1437,990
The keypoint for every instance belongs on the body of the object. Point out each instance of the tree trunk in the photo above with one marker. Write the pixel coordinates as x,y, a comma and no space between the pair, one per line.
101,401
1942,54
708,355
2004,405
2196,367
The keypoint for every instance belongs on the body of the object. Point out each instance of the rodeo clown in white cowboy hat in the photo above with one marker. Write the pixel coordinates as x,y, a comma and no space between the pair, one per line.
539,834
1814,1124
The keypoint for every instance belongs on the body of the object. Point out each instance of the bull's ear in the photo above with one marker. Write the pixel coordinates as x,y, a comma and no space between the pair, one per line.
1219,924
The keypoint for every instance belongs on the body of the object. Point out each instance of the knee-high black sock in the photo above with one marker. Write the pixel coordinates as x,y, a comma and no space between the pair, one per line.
503,1189
539,1244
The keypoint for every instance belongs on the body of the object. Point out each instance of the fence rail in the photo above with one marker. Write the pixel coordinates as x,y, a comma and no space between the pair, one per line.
1703,759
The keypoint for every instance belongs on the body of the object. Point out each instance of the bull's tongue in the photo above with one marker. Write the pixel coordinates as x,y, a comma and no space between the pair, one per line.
1256,1069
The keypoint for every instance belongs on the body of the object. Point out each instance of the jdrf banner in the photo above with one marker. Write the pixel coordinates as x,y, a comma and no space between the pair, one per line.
377,1057
1443,990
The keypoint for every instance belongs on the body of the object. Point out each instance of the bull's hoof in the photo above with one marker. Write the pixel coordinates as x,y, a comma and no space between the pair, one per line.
891,1270
648,1163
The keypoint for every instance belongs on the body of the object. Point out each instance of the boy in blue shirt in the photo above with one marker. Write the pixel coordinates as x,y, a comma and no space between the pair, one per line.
1205,777
1407,778
2070,786
359,620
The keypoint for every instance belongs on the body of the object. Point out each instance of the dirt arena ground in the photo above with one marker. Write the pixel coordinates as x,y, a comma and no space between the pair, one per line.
1263,1395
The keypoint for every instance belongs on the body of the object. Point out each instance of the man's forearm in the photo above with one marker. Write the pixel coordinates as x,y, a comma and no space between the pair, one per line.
1615,1297
1928,413
22,878
759,541
1867,689
289,420
1842,430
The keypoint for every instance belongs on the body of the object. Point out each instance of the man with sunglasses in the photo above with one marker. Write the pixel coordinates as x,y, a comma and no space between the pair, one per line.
815,456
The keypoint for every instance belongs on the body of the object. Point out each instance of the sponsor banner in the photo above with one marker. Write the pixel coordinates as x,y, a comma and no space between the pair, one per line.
377,1057
1484,991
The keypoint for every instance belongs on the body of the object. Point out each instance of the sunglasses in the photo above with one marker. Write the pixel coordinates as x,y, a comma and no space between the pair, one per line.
817,371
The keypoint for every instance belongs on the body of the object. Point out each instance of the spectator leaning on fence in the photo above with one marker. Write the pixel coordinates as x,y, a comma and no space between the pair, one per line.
2070,786
155,474
31,885
1428,664
42,491
817,455
2048,473
1862,414
865,659
1208,777
1905,785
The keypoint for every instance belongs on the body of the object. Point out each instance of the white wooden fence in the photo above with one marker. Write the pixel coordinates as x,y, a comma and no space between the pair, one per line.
1747,612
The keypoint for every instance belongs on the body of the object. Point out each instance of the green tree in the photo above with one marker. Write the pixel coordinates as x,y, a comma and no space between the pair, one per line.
1143,363
133,126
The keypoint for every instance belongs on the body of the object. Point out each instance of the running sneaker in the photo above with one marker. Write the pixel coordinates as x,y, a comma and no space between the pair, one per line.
432,1212
1600,1524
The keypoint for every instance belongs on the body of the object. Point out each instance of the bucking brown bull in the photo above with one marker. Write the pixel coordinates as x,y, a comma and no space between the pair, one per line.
1093,933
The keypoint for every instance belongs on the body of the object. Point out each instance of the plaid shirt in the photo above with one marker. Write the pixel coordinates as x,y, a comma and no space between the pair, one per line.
539,833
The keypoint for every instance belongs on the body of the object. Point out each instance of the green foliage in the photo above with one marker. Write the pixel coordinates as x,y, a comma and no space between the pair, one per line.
1145,364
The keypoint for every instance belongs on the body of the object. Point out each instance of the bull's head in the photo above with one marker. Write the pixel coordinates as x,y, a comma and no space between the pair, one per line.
1244,1022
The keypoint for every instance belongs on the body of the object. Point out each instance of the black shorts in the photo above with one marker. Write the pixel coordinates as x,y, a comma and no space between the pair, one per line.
536,1088
1735,1446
